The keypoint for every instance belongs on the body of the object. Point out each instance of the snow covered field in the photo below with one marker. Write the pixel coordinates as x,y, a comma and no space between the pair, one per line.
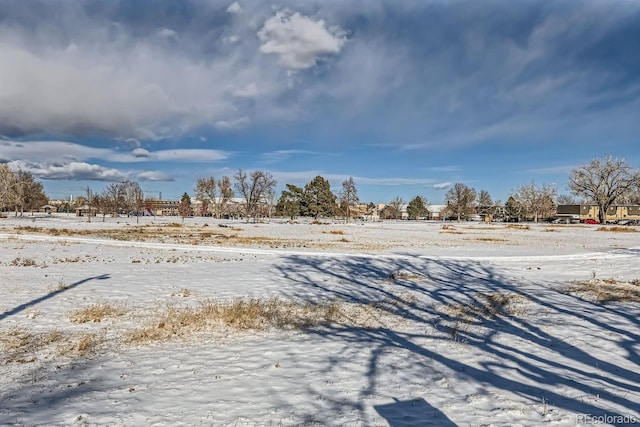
431,324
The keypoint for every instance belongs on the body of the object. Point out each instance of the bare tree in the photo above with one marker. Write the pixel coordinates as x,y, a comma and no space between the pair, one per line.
133,197
206,191
485,204
566,199
7,187
254,189
226,194
460,200
395,207
349,196
21,192
604,182
536,202
113,199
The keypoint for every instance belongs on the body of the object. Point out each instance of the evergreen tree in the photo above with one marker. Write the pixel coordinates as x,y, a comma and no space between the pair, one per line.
318,199
417,208
184,208
290,202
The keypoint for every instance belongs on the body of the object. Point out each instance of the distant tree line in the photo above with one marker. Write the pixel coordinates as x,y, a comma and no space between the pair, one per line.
603,182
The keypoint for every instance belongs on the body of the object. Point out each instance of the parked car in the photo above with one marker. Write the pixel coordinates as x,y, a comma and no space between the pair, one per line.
624,222
591,221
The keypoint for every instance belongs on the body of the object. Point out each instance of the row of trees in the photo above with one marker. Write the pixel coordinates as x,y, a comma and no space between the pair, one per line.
19,192
317,200
603,182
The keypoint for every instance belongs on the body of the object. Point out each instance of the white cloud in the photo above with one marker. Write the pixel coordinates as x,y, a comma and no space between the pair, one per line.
65,152
280,155
141,152
231,124
190,155
156,176
234,8
442,185
298,40
71,171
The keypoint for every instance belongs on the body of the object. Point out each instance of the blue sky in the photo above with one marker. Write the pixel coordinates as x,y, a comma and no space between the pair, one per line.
407,97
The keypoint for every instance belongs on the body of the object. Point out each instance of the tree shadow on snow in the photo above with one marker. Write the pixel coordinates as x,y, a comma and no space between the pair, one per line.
545,356
50,295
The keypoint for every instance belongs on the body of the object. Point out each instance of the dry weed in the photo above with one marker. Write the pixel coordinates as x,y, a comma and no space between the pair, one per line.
251,314
488,239
337,232
95,313
604,290
618,229
518,226
24,262
489,306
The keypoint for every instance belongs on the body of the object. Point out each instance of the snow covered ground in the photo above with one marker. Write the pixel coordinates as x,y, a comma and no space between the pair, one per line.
456,324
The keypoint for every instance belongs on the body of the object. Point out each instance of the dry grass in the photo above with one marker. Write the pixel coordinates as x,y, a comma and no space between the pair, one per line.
24,262
404,275
489,306
248,314
96,313
604,290
550,230
618,229
518,226
336,232
488,239
19,346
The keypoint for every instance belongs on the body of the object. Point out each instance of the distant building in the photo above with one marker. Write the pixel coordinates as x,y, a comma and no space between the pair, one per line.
589,211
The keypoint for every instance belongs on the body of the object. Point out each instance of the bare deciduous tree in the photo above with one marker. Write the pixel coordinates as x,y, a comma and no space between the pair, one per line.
536,202
226,194
394,208
604,182
460,200
566,199
254,189
349,196
206,191
7,187
485,204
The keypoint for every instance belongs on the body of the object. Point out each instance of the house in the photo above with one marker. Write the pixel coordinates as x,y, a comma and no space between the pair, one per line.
589,211
85,210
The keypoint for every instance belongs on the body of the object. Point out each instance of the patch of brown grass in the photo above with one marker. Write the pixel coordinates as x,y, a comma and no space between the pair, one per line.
23,262
604,290
518,226
336,232
550,230
404,275
488,239
618,229
96,313
248,314
488,306
20,346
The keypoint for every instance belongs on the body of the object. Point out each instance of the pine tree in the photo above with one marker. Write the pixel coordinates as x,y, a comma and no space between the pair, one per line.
318,199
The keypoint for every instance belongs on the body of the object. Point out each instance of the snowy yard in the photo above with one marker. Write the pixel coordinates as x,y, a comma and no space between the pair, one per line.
378,324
